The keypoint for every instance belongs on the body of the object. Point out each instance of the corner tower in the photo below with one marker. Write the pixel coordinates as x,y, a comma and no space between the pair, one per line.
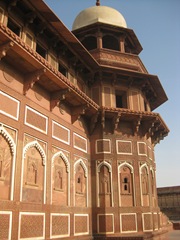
125,130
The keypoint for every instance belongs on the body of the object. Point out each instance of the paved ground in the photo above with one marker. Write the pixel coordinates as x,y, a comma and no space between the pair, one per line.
172,235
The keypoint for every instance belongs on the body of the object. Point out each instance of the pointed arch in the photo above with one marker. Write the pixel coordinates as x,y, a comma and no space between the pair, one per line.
9,139
104,163
146,166
125,164
65,159
38,147
81,162
12,147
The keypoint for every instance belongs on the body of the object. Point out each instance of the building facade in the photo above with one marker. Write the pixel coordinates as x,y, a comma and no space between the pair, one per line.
169,202
77,131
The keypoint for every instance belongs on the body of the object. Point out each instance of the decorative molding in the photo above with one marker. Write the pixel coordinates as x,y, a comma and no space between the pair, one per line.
61,154
38,147
125,164
105,163
81,162
9,139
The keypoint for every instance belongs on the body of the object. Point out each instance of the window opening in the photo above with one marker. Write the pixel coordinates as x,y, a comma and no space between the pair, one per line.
62,70
121,99
40,50
90,43
14,27
110,42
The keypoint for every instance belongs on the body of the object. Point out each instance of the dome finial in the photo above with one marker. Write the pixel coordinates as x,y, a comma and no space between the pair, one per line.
97,2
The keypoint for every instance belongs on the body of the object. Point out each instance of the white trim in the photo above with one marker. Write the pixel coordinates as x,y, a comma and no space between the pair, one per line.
10,222
142,154
106,214
150,153
83,233
81,149
66,162
124,153
143,214
59,236
124,214
103,140
38,113
61,140
30,214
18,105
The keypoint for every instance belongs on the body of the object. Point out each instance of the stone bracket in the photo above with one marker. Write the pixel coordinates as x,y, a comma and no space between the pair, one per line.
4,48
57,97
103,119
77,112
137,124
93,122
116,119
32,78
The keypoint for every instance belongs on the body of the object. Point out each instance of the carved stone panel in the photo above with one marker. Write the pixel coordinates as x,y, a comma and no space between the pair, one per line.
80,187
104,187
33,180
59,182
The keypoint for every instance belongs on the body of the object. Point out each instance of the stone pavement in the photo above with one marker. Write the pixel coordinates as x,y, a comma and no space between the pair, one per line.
171,235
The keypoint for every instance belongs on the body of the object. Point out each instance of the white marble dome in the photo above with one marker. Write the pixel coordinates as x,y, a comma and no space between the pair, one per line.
101,14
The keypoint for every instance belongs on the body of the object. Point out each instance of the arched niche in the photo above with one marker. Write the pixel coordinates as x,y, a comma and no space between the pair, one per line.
144,185
33,185
126,184
81,184
60,179
110,42
7,164
104,185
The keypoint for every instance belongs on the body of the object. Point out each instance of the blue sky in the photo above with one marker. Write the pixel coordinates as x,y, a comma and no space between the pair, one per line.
157,26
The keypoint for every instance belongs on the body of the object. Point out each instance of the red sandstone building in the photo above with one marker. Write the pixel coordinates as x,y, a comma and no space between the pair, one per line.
77,131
